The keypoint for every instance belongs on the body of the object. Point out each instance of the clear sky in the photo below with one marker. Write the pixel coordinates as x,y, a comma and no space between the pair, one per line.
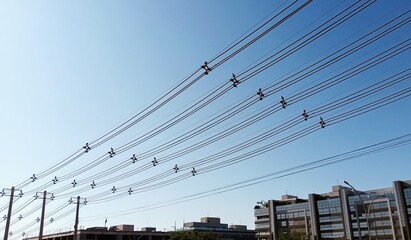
70,71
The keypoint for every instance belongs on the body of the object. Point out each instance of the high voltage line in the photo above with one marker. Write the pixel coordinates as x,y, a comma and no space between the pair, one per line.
165,98
212,162
354,154
174,92
372,61
357,153
332,23
26,229
295,136
360,94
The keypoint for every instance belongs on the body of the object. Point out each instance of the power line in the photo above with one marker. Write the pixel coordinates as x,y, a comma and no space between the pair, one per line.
386,145
347,115
327,83
171,94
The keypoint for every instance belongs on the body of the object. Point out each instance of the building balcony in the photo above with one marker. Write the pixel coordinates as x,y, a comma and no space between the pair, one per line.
262,226
263,220
261,212
262,234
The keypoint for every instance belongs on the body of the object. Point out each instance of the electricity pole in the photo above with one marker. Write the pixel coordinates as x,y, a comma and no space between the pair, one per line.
8,216
76,223
78,201
6,231
43,211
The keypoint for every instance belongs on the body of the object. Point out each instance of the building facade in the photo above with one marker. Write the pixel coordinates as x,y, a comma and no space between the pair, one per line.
344,213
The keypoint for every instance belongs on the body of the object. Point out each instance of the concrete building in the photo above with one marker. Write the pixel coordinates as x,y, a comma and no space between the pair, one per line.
119,232
343,213
207,223
221,230
126,232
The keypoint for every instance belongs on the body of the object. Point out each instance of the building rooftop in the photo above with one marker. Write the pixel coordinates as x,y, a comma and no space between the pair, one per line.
213,223
289,199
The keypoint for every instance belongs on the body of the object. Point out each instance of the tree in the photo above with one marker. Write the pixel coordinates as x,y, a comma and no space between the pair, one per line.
189,235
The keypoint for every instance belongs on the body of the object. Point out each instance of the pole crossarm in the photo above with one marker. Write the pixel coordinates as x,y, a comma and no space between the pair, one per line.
48,196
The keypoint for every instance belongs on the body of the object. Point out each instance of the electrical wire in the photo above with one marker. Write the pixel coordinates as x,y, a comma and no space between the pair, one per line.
182,116
358,111
165,98
328,83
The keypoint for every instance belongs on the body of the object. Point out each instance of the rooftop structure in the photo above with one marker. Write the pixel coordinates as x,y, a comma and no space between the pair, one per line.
222,230
111,233
126,232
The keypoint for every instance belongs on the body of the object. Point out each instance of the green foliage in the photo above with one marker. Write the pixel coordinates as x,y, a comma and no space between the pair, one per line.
187,235
292,236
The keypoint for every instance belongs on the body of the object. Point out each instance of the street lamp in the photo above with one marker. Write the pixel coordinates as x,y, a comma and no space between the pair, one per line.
372,201
363,205
367,213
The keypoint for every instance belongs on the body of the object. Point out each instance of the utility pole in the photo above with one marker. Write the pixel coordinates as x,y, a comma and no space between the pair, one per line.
8,216
77,214
6,231
76,223
43,211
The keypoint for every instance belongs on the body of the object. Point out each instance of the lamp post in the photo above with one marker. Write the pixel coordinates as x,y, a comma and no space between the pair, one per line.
363,205
367,213
372,201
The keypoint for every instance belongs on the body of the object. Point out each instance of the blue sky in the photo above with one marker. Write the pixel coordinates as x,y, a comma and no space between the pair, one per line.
71,70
